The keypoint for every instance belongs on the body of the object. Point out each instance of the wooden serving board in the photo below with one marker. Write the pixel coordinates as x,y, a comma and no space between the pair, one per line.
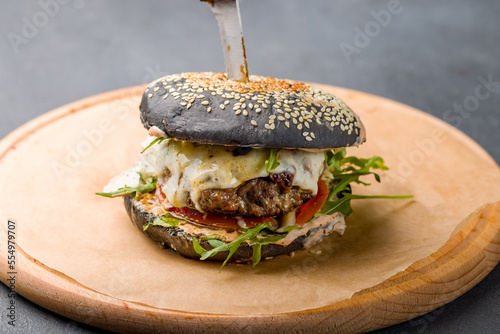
466,258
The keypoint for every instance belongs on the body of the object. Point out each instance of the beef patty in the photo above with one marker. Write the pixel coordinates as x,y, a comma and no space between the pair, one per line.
262,197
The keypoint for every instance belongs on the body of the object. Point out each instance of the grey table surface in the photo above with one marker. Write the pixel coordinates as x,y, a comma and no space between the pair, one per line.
441,57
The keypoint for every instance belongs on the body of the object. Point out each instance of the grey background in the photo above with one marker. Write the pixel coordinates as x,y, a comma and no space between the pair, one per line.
429,55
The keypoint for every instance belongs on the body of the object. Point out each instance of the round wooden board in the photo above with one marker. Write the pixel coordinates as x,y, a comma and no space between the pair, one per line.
426,285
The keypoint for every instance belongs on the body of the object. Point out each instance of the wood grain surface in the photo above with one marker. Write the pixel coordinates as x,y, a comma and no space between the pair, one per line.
426,285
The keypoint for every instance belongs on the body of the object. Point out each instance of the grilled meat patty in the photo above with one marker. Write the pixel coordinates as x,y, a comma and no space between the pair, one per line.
262,197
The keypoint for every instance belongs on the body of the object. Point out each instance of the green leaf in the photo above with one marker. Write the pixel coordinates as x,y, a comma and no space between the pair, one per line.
215,243
343,205
347,170
164,221
156,141
272,163
232,247
258,243
141,178
197,247
257,254
334,158
146,188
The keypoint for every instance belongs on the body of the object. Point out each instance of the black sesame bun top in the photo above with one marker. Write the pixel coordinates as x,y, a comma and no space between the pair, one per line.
265,112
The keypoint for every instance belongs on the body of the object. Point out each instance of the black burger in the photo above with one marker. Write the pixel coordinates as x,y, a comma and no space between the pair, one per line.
236,171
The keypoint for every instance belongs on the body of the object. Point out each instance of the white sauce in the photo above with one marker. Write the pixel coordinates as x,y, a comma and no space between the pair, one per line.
329,223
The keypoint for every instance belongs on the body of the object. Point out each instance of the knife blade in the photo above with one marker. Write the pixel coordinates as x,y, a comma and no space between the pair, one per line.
227,13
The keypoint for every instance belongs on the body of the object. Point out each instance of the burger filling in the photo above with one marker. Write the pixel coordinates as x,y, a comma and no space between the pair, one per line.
234,195
213,179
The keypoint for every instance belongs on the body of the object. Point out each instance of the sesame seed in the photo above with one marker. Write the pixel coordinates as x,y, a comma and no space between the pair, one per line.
281,118
258,110
226,103
299,127
205,103
308,138
306,124
183,104
189,105
245,112
313,135
287,124
222,106
305,134
253,122
150,95
156,89
237,112
209,109
250,105
264,105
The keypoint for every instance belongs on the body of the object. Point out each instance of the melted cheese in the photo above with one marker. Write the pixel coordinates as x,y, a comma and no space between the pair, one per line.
194,168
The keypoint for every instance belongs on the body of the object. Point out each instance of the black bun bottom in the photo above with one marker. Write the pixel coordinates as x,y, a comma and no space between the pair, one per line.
181,242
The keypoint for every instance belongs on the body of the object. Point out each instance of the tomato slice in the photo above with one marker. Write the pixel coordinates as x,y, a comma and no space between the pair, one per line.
307,210
208,219
159,193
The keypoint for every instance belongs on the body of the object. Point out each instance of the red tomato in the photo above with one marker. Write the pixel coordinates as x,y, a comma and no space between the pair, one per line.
159,193
216,221
307,210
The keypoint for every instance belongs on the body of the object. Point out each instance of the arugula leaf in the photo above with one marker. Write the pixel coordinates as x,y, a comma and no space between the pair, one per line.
343,205
333,159
258,243
197,247
157,140
145,188
165,221
346,170
257,254
272,163
232,247
215,243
